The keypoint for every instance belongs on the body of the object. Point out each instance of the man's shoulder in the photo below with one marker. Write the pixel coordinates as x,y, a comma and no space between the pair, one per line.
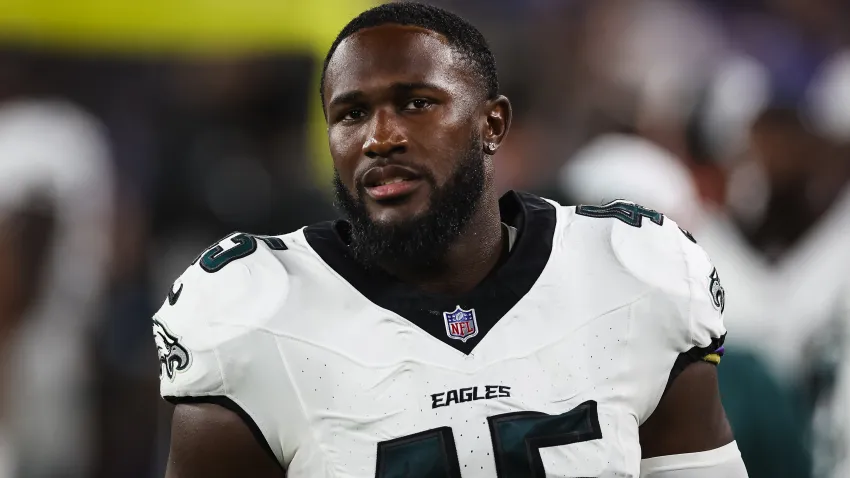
217,330
241,277
642,241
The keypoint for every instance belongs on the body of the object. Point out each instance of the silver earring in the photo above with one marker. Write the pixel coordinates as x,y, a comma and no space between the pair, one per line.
491,148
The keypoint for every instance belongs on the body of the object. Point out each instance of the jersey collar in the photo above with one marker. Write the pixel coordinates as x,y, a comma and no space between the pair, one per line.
534,219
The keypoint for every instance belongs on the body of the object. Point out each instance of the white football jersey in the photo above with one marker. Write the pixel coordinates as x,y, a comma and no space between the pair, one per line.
547,368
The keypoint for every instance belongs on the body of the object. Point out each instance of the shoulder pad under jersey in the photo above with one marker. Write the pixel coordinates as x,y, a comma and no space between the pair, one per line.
230,289
657,252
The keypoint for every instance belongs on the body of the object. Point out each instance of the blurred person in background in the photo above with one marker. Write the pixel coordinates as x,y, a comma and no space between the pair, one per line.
782,241
770,131
55,209
829,355
25,230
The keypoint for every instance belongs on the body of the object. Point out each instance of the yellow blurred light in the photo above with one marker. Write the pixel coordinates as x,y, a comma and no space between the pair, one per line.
191,27
179,26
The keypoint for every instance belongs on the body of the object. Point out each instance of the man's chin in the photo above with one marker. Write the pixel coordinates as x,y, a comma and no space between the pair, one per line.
398,214
410,240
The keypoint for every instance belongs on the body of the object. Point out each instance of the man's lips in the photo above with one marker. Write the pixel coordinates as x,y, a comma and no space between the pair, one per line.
390,182
393,190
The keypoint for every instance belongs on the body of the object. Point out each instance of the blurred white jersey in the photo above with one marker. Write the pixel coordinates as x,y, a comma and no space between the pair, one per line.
53,150
547,368
795,302
833,420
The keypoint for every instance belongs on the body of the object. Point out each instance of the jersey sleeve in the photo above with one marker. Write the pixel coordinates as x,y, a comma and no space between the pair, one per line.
670,262
679,320
215,311
707,299
183,333
213,336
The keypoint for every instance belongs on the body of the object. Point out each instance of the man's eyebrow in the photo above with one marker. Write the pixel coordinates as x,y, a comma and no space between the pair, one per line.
347,97
354,96
417,85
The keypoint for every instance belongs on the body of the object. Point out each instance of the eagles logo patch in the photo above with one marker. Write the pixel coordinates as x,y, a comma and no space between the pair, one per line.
173,357
718,294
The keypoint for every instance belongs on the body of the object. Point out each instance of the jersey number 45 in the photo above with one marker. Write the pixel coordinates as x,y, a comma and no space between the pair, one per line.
216,257
517,440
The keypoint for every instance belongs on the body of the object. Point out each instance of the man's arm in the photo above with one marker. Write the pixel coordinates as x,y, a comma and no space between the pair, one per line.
689,418
688,434
210,441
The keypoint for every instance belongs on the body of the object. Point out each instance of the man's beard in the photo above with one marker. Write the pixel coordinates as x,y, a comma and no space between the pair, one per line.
420,242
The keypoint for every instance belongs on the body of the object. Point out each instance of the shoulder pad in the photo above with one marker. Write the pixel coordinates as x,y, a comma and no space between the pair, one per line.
656,251
230,289
677,318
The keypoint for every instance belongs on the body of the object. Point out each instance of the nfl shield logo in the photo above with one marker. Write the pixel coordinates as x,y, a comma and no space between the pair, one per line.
461,324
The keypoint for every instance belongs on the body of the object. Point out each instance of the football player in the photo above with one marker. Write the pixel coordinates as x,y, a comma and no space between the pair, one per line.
55,233
442,331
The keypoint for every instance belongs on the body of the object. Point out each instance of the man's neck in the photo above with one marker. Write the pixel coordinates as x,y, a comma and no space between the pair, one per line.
469,259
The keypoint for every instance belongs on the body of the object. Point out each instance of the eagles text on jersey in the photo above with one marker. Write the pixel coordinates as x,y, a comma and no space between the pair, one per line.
547,368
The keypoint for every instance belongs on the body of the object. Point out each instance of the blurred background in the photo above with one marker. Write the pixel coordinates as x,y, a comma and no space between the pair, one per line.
135,134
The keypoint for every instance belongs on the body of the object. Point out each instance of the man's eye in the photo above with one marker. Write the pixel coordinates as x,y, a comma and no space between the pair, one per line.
354,115
417,104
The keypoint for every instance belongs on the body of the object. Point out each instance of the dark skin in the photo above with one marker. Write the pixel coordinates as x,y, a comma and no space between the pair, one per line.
384,106
210,441
399,95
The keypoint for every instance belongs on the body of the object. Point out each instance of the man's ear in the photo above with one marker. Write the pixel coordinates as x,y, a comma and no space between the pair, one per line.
498,122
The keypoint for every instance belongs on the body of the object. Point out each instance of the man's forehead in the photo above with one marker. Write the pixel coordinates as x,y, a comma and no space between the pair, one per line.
390,53
381,33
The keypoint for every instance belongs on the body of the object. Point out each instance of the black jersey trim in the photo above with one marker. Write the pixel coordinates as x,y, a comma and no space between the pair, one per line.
693,355
229,404
533,217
